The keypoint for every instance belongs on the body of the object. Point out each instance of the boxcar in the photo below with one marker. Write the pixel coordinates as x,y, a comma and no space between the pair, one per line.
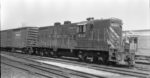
6,40
19,39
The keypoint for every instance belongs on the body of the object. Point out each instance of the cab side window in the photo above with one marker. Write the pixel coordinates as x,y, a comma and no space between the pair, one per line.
81,28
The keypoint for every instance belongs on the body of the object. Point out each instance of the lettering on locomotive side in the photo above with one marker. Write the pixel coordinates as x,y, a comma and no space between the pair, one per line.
18,34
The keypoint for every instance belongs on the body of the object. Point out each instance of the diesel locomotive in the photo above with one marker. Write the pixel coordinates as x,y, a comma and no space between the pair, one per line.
93,40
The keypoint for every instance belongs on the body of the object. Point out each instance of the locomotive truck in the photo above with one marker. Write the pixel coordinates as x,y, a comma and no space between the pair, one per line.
93,40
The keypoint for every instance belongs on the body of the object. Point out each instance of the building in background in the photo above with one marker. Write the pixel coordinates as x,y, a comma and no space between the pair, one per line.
139,41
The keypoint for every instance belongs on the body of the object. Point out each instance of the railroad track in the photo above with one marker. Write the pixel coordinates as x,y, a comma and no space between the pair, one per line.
26,67
107,68
2,63
53,71
122,71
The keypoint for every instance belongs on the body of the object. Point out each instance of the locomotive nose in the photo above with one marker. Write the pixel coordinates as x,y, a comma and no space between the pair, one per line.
114,38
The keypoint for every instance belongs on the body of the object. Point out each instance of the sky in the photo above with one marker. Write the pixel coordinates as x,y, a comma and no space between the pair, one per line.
135,14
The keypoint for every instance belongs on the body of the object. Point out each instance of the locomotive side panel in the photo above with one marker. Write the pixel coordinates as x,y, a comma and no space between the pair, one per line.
101,26
69,37
44,36
57,36
65,36
94,36
47,37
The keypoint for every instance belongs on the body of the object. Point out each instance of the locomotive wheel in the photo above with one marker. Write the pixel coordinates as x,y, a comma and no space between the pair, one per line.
81,57
52,53
85,59
41,53
46,53
36,52
95,59
89,59
30,52
58,55
24,51
101,60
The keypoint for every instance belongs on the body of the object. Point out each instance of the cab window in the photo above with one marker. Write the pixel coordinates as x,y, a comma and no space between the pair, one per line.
81,28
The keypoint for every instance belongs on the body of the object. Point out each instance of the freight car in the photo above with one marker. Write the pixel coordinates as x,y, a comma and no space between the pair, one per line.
92,40
20,39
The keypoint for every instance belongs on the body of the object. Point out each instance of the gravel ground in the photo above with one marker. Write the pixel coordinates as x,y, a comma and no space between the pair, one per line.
11,72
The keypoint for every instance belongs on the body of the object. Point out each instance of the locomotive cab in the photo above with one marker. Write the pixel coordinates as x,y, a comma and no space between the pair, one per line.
103,40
